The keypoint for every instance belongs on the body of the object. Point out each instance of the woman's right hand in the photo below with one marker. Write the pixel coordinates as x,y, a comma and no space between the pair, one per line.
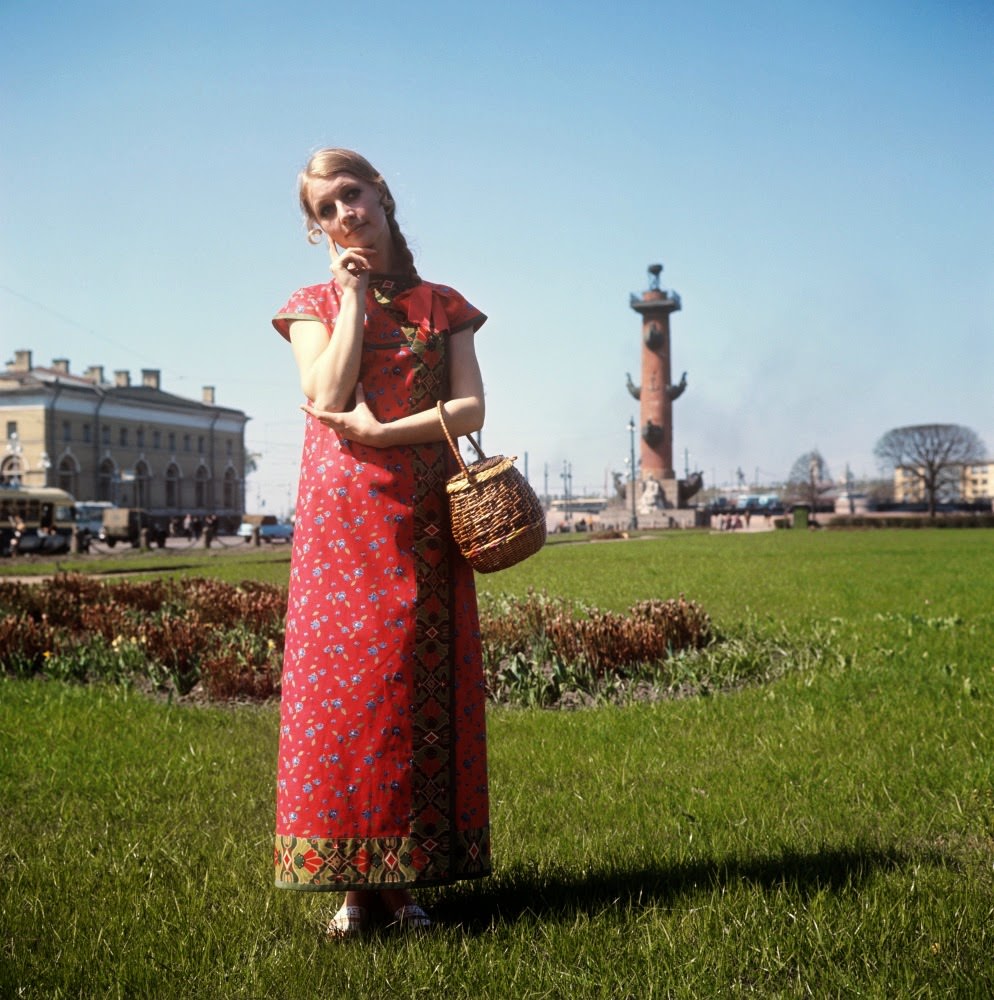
350,267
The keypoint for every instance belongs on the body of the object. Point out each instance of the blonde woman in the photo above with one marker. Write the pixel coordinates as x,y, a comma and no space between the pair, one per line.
382,773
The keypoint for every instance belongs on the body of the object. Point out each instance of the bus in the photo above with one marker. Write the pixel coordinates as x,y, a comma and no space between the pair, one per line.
765,503
90,518
35,519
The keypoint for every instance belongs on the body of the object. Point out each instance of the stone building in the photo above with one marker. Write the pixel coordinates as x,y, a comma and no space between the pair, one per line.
964,483
134,445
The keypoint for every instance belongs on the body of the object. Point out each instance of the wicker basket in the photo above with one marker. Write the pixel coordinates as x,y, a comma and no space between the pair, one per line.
497,520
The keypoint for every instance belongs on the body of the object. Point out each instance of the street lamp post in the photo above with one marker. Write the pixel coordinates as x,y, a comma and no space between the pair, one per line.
567,478
634,523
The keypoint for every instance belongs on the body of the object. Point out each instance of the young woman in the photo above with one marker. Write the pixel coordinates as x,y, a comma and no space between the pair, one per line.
382,774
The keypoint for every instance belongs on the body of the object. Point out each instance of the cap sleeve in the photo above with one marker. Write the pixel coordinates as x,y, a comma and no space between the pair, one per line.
319,302
459,312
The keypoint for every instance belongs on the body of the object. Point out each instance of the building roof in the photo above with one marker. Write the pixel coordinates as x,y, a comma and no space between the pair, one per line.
21,376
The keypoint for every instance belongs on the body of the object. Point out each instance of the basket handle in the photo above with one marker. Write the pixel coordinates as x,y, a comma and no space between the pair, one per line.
452,443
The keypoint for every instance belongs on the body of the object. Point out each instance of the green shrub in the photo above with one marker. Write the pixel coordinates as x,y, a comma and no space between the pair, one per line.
912,521
172,634
541,650
225,641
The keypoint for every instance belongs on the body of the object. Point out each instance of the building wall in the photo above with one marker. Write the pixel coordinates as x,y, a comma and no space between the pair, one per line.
907,487
24,434
134,446
975,482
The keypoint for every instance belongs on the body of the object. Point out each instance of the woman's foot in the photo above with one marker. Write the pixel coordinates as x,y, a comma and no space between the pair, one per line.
362,907
410,917
406,914
353,918
349,921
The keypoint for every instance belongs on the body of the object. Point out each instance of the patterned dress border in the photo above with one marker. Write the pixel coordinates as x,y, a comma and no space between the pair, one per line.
320,865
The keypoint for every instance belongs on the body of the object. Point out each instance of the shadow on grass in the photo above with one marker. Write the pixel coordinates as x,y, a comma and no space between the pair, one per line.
553,894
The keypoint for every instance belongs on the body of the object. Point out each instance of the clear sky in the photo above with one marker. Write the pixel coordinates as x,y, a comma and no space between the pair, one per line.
817,179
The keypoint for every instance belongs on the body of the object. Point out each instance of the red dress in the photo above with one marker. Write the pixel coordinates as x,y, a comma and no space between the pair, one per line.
382,774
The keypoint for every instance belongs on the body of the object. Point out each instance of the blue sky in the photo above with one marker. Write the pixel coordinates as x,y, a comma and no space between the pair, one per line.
816,178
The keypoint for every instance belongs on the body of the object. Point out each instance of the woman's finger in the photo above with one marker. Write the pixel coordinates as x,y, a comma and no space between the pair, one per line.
352,260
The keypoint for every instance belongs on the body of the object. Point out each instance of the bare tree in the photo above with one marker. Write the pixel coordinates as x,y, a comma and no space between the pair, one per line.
809,479
933,455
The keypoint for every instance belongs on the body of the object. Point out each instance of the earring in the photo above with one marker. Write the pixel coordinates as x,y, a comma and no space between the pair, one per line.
314,235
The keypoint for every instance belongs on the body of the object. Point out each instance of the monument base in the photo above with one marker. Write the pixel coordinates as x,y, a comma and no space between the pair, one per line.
656,506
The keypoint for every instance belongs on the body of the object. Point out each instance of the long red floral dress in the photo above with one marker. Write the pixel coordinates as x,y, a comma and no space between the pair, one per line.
382,773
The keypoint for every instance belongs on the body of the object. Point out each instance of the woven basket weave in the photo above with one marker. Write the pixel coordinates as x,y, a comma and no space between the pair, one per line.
497,520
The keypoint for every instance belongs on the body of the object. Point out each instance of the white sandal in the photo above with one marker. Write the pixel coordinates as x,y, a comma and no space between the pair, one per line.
349,921
411,918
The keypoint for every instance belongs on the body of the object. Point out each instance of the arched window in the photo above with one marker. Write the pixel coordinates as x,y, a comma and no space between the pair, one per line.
230,489
68,475
12,471
174,487
143,485
202,488
107,482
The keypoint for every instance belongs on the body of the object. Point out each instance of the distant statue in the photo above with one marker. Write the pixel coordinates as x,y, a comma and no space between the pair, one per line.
653,337
635,390
688,487
652,497
652,433
676,391
619,485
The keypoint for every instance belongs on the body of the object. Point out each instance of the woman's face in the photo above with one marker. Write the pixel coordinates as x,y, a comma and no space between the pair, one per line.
350,212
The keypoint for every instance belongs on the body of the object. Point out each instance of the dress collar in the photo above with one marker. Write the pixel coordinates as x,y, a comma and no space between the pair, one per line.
392,284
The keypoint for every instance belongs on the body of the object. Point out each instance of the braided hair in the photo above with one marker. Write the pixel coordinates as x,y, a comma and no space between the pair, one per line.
323,165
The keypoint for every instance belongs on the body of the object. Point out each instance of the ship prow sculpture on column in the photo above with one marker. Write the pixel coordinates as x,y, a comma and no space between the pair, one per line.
658,491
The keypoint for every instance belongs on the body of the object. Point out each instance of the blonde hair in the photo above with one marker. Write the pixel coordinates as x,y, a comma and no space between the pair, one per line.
323,165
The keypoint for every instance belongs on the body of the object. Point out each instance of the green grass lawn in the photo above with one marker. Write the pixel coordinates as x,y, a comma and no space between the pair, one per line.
829,834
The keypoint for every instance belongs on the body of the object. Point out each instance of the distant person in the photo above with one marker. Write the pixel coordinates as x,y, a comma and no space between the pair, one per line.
17,523
382,772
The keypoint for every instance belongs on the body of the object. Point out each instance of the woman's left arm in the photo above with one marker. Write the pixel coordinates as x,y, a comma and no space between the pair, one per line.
464,411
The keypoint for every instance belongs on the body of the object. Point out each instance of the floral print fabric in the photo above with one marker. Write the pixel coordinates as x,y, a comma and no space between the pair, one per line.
382,774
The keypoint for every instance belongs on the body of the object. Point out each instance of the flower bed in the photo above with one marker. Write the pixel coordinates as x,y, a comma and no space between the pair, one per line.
176,634
221,641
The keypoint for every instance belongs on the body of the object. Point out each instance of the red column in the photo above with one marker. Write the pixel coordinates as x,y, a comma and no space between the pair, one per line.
656,403
656,409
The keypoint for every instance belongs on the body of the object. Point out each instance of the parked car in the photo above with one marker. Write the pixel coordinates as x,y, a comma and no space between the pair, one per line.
126,524
270,529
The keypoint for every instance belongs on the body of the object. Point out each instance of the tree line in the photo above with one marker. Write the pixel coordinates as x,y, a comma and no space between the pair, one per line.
931,455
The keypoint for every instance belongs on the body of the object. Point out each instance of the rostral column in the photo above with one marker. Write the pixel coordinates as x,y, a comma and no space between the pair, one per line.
657,392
